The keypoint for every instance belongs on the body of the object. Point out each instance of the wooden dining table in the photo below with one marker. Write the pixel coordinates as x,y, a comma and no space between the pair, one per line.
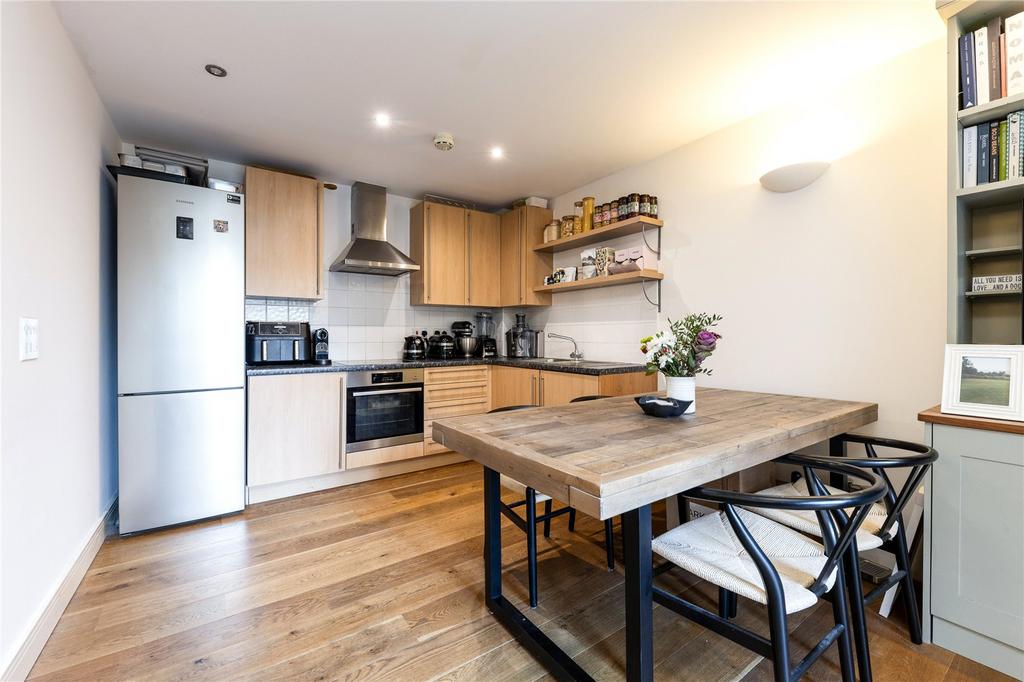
606,458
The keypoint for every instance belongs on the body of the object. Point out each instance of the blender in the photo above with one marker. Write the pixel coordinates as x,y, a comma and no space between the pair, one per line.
487,346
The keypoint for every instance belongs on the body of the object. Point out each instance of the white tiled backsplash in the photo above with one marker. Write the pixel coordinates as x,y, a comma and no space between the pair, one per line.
367,316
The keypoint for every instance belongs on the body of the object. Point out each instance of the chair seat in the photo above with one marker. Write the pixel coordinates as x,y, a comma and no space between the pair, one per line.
807,521
517,487
708,548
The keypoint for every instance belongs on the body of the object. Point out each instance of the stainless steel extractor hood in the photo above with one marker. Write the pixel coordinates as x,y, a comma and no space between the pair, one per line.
369,252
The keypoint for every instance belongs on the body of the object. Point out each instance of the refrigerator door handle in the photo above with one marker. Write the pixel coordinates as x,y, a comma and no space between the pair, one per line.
263,349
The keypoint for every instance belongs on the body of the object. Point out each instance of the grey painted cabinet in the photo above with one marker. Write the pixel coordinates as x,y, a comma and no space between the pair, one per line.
975,585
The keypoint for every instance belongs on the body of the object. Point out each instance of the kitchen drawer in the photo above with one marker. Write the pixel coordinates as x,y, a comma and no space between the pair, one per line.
448,375
395,453
455,391
431,412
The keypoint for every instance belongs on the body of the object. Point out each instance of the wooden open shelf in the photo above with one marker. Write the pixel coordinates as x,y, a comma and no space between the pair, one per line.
606,281
1000,108
619,228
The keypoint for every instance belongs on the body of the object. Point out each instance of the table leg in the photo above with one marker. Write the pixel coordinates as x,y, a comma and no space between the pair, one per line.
636,541
837,448
558,663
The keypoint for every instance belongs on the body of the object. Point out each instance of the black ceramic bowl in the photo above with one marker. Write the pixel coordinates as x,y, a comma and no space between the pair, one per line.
657,406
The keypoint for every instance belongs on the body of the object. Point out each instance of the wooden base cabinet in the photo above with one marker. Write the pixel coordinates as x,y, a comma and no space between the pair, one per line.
974,551
295,427
521,386
453,392
283,235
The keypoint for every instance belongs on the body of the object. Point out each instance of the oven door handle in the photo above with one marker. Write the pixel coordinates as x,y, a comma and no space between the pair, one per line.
360,394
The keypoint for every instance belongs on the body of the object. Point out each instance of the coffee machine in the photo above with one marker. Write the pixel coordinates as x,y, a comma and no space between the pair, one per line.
321,347
486,346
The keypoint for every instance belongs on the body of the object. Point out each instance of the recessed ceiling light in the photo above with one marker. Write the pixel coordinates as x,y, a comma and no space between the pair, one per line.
497,153
382,119
218,71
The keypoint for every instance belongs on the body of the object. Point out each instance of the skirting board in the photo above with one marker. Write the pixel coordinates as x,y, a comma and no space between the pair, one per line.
28,652
274,491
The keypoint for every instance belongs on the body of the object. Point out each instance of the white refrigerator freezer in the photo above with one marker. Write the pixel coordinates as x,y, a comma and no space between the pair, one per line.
180,352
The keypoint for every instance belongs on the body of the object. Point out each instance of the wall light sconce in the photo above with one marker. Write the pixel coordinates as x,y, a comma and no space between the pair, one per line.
794,176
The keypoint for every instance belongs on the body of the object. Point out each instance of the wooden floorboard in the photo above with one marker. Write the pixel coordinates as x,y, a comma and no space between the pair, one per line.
383,580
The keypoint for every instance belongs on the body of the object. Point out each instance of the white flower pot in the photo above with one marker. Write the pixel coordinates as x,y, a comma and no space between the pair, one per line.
683,388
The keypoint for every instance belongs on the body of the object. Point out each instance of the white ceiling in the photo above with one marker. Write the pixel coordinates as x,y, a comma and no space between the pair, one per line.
572,91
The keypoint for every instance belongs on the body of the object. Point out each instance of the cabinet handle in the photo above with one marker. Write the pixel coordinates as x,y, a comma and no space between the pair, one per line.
426,264
541,401
533,391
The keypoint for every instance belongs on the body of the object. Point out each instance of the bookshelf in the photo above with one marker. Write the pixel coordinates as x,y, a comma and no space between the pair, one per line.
986,222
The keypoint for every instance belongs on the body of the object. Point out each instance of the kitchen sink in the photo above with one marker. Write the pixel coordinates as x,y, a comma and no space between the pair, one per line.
594,364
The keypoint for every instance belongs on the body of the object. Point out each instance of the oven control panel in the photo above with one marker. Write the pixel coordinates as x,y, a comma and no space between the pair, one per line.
386,378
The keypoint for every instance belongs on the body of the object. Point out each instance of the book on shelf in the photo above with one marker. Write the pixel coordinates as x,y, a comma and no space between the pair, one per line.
991,59
967,88
994,151
981,72
1015,54
970,157
994,32
984,152
1002,65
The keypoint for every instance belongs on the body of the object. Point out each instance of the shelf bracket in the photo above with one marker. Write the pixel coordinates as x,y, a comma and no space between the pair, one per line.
643,233
643,287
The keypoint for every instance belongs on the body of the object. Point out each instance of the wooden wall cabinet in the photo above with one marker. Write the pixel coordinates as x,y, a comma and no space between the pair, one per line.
521,386
522,268
295,426
283,235
457,250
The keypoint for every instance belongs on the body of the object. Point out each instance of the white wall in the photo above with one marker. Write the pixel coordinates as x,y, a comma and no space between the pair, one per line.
57,417
837,290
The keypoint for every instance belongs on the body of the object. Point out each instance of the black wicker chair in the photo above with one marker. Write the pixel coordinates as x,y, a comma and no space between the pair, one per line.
881,529
728,548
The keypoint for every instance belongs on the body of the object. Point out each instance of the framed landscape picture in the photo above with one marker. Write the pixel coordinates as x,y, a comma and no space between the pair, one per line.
984,381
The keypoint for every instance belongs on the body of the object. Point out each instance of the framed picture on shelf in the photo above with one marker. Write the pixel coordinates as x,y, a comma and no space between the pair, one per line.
984,381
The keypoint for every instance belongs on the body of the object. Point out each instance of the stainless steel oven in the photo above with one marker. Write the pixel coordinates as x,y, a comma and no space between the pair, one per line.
383,408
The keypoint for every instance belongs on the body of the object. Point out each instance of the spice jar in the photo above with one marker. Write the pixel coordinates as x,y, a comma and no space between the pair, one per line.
645,205
654,206
623,207
615,211
634,205
588,214
606,210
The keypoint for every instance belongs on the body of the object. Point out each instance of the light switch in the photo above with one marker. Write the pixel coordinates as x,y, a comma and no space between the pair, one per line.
28,338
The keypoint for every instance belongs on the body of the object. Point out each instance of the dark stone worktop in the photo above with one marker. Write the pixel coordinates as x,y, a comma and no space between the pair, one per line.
596,369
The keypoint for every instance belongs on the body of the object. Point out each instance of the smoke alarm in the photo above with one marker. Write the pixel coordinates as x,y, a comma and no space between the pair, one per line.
444,141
